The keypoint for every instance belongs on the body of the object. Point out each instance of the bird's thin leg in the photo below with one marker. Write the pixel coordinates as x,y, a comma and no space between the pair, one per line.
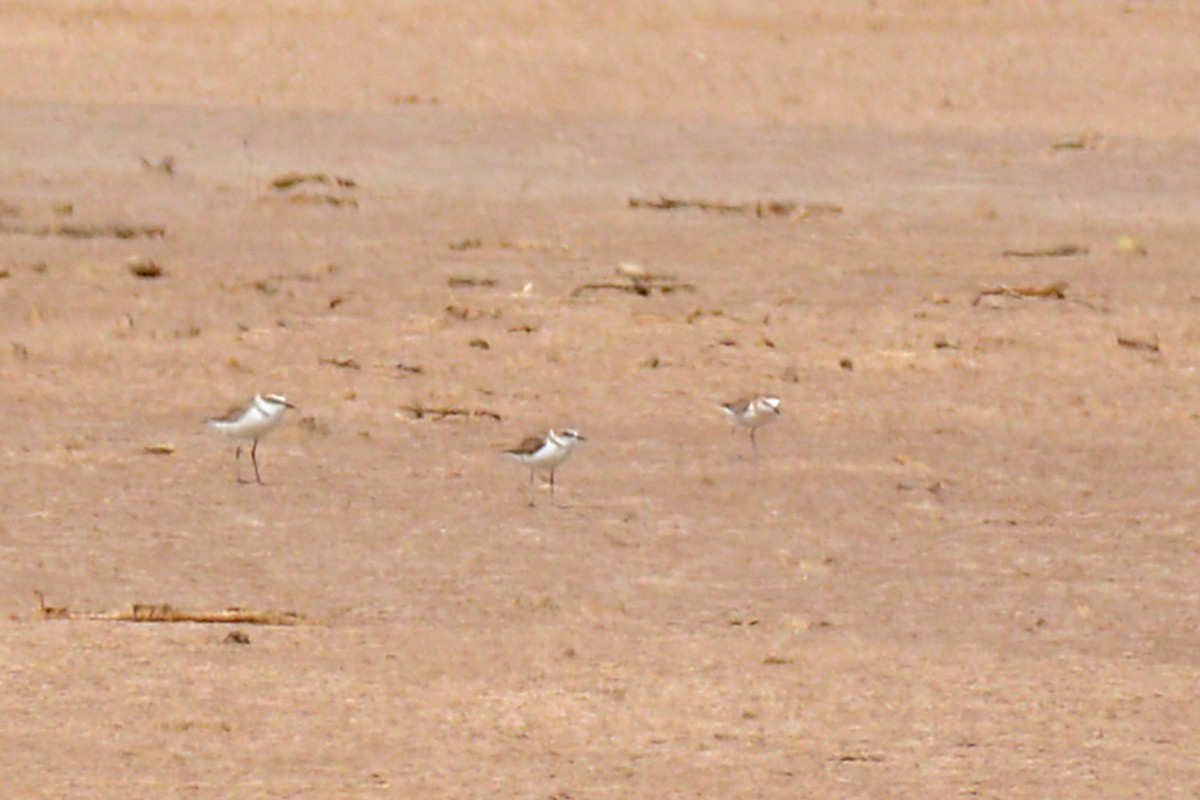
237,460
754,443
532,492
551,486
254,458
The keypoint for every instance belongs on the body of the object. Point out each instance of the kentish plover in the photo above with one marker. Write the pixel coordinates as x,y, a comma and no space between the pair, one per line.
252,421
545,452
753,413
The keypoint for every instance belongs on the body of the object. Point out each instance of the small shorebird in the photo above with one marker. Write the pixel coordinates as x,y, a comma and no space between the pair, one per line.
753,413
254,420
545,452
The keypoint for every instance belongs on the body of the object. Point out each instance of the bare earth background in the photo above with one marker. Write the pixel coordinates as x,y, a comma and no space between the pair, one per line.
967,564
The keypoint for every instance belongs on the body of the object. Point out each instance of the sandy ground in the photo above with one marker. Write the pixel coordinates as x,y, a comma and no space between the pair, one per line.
965,564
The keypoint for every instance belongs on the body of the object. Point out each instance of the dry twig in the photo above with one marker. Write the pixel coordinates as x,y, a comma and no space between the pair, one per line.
642,284
1146,345
1056,291
1061,251
458,282
421,411
760,208
164,612
290,179
113,231
345,362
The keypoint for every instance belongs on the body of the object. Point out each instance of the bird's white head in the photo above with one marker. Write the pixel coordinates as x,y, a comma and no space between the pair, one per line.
571,435
277,400
771,402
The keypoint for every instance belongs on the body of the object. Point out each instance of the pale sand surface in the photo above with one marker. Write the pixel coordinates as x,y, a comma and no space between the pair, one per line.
965,566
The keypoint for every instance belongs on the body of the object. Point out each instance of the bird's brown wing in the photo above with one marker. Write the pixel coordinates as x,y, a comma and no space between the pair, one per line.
530,445
231,415
739,406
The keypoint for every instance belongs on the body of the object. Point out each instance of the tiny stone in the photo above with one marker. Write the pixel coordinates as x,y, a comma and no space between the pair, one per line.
237,637
143,267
